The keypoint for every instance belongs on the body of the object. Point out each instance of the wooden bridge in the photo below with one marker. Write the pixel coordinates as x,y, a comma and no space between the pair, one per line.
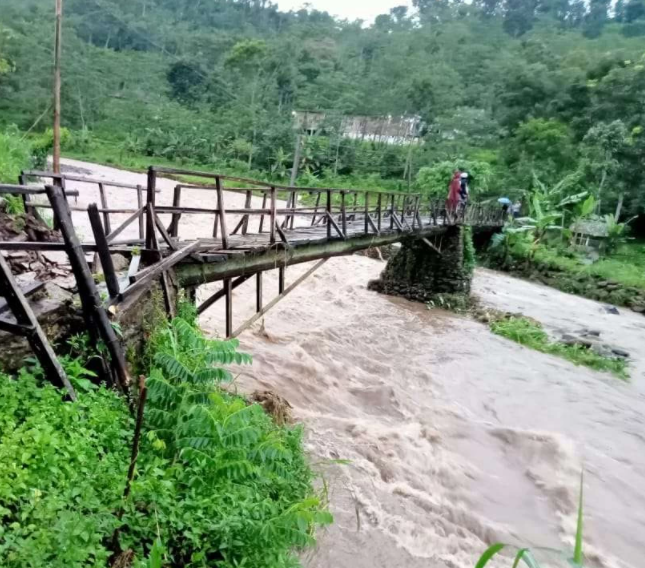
201,232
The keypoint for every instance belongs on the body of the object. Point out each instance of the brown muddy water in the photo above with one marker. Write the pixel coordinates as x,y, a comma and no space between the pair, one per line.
455,438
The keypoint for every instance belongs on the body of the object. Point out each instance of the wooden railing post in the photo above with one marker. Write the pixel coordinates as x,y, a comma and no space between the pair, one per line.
294,206
343,213
150,200
176,202
273,214
247,205
221,207
391,211
264,206
328,213
281,271
367,212
380,207
313,219
139,206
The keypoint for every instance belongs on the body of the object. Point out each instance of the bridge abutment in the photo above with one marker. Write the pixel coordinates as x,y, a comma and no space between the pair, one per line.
422,270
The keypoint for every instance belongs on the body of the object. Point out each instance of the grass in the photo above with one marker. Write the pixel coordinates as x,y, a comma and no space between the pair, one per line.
531,334
626,266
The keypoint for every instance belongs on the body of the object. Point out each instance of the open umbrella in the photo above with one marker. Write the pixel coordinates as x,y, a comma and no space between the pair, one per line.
504,201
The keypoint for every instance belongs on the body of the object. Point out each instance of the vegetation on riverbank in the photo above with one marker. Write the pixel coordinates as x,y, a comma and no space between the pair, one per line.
217,483
530,333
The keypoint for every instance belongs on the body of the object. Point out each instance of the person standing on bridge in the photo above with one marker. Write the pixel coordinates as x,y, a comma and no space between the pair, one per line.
454,189
464,190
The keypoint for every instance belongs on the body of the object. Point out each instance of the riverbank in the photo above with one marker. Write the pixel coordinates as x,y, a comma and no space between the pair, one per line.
618,279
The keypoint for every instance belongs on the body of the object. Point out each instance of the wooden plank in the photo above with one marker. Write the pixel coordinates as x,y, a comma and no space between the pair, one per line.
28,190
114,234
111,280
30,327
217,296
96,317
284,294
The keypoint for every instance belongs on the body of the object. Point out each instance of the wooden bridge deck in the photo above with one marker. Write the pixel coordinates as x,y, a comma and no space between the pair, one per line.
211,237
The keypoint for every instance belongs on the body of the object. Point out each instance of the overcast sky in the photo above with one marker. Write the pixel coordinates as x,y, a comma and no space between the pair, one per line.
351,9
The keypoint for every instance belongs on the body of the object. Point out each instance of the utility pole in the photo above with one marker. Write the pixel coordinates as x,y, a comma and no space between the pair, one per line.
57,59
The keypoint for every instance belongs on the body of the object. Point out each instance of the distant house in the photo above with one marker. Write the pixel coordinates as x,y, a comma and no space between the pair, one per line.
385,129
590,233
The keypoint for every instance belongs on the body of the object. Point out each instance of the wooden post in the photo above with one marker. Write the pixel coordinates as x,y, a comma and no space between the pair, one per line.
100,239
176,202
392,211
258,292
104,205
313,219
222,211
281,271
140,205
95,315
328,214
31,329
273,219
150,200
57,65
343,213
294,205
380,208
228,286
264,206
367,212
247,205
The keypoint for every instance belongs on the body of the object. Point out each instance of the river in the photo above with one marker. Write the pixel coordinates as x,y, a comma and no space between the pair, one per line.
454,438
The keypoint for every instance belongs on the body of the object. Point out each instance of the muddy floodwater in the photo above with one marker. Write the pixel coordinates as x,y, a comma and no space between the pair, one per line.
455,438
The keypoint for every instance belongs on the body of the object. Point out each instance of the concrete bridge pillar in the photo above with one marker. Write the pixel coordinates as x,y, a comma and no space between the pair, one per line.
420,272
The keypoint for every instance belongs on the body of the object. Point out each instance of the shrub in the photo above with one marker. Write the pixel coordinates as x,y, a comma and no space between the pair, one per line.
15,155
63,471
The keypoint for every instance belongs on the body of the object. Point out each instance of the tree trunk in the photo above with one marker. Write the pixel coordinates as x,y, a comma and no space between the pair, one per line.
619,207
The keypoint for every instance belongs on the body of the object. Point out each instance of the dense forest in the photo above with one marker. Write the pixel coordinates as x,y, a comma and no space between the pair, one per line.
516,91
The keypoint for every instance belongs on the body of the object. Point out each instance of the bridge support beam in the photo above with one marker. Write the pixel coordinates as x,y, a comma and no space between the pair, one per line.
421,272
